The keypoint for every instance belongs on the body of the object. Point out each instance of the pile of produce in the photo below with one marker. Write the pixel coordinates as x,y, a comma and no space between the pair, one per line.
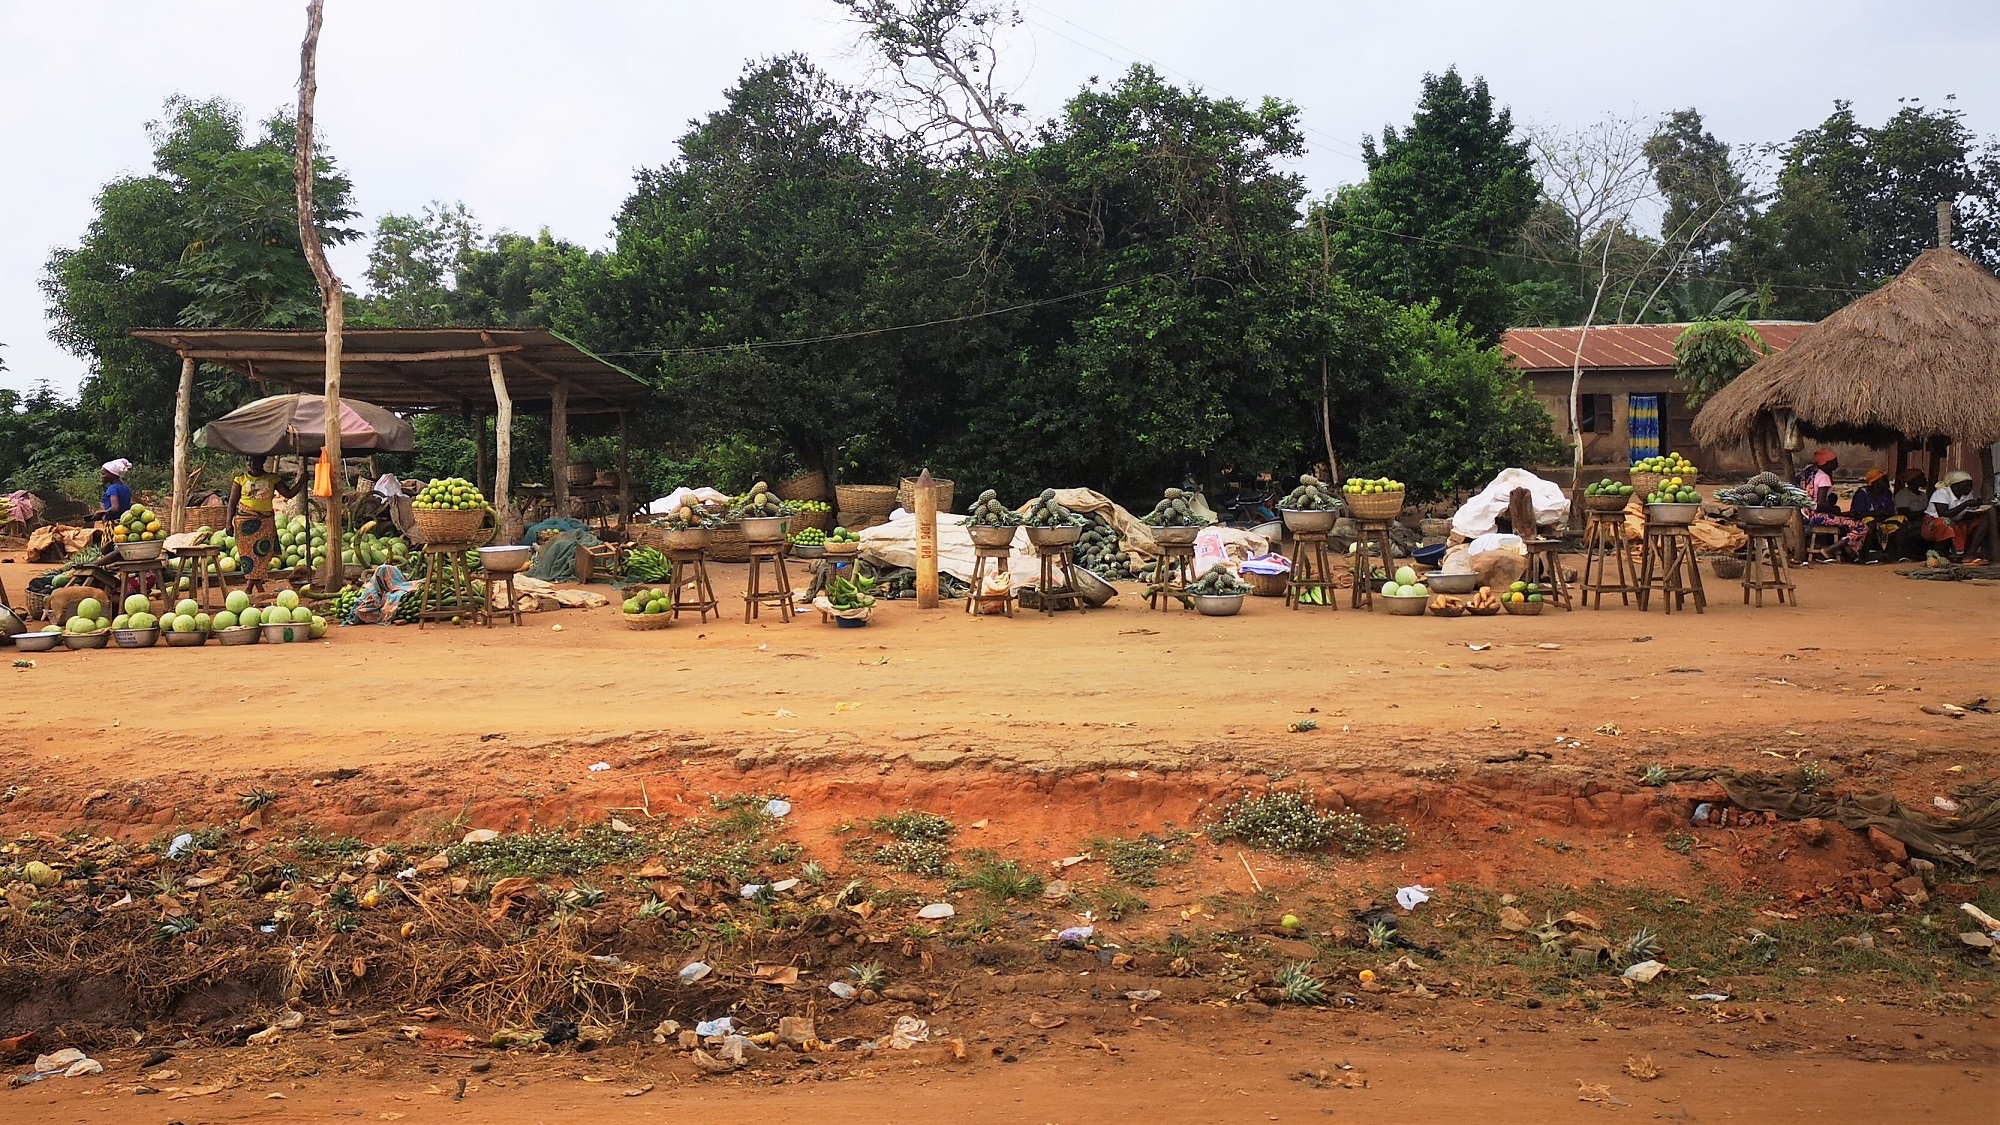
1218,582
341,608
1046,511
654,601
89,618
647,564
138,525
1607,487
1451,605
299,543
187,617
1175,509
1521,592
1361,486
1673,465
1673,491
362,547
1101,550
138,614
811,507
845,593
1766,490
988,511
1310,496
691,516
842,537
452,494
1485,601
1404,584
759,503
810,537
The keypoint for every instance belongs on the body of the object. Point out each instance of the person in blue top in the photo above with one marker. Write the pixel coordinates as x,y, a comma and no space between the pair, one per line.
117,494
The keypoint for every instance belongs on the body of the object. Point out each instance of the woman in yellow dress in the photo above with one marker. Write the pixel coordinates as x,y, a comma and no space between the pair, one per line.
253,500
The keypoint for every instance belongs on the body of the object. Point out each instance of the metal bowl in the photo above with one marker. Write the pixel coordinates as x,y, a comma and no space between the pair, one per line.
991,536
1218,605
1672,515
688,538
1095,590
87,640
1175,536
141,550
239,634
195,639
1747,516
285,632
1054,536
37,642
505,560
809,550
136,638
1439,583
1299,520
1401,606
764,529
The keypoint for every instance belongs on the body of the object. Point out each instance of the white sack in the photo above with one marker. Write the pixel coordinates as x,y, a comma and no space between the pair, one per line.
1475,517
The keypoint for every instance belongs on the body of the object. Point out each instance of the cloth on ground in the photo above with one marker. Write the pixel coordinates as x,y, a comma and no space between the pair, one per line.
894,544
533,531
537,596
1475,517
384,589
1230,546
54,542
555,560
1972,837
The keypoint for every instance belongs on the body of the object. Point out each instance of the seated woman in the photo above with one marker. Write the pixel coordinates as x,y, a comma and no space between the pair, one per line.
1955,514
1875,506
117,494
1816,480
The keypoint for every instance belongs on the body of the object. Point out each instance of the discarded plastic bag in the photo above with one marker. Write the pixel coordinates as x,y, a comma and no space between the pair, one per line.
1413,896
908,1032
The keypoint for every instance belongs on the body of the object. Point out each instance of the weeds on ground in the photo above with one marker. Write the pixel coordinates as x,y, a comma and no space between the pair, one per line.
1138,859
1114,903
1001,880
536,855
919,842
1286,820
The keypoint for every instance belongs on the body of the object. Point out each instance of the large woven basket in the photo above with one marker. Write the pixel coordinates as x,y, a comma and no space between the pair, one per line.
1431,527
38,604
805,486
727,544
821,520
1373,505
1268,585
580,473
868,501
449,525
906,495
1606,503
214,516
1645,483
647,622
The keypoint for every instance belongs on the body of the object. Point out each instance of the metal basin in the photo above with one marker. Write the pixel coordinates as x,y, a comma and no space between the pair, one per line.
238,635
1299,520
133,550
505,560
87,640
1451,583
1401,606
1764,517
764,529
38,642
1672,515
136,638
1096,591
1054,536
991,536
1218,605
1175,536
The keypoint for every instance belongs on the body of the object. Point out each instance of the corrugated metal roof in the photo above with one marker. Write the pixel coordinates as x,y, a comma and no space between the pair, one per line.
408,369
1620,346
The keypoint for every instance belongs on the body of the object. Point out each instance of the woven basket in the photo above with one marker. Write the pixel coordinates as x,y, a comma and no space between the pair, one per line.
907,494
726,544
647,622
820,520
579,473
448,526
213,516
1373,505
805,486
1644,484
1432,527
38,604
1606,503
1267,585
1726,567
868,501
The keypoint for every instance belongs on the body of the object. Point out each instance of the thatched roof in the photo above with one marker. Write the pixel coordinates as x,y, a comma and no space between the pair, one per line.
1917,358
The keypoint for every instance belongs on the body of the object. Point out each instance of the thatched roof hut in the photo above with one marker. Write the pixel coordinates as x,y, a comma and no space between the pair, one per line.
1916,361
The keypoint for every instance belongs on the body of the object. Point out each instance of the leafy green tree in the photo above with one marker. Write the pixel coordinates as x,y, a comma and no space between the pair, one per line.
413,264
1708,203
1445,199
208,239
1710,354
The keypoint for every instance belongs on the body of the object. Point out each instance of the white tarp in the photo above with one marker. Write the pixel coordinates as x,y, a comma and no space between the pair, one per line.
679,496
1475,517
895,544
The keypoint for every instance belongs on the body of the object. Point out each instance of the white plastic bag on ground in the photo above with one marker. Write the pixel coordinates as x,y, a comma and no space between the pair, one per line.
679,496
1475,517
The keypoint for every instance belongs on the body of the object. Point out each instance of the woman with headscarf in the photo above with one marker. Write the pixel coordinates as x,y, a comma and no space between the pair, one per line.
1816,480
1955,515
117,494
253,502
1874,504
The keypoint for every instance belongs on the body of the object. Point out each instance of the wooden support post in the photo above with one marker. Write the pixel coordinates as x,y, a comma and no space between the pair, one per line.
559,447
332,297
624,472
503,437
183,405
478,423
927,547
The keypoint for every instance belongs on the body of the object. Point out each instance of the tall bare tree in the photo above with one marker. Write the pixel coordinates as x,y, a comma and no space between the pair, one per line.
329,285
938,72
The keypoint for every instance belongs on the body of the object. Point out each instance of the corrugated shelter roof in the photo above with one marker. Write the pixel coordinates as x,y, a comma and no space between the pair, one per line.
1620,346
416,369
1915,359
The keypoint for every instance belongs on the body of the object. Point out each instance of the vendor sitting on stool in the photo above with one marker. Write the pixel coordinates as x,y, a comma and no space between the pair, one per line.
117,494
1950,520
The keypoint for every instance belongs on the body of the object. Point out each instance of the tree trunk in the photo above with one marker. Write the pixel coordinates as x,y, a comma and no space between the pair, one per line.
331,295
183,405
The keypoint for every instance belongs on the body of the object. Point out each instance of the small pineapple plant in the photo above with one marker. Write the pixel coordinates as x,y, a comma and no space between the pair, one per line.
1298,986
869,976
1642,946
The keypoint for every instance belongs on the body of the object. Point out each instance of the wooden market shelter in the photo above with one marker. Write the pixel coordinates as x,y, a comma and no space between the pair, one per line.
1913,365
472,371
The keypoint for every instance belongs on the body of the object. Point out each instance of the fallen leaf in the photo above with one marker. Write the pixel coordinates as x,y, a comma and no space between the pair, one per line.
638,1091
1046,1023
1641,1067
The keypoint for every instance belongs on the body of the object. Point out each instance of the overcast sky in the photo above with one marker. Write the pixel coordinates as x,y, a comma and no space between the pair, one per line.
535,114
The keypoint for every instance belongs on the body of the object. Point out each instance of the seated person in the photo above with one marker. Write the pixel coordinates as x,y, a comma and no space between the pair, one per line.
1875,506
1816,480
117,494
1955,514
1913,494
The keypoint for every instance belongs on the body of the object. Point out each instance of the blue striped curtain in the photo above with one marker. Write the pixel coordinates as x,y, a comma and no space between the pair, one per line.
1643,425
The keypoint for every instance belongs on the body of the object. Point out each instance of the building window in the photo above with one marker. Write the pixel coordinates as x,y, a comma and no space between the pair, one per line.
1594,414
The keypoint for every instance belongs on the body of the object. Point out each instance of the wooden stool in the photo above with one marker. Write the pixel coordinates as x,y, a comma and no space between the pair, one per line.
445,577
1765,566
767,560
1310,572
1822,545
1603,552
693,593
202,567
1056,561
503,580
1545,568
977,601
1172,575
148,577
1669,566
1371,542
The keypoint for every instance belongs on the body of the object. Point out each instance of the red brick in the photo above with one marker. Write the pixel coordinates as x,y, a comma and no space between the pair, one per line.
1886,845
